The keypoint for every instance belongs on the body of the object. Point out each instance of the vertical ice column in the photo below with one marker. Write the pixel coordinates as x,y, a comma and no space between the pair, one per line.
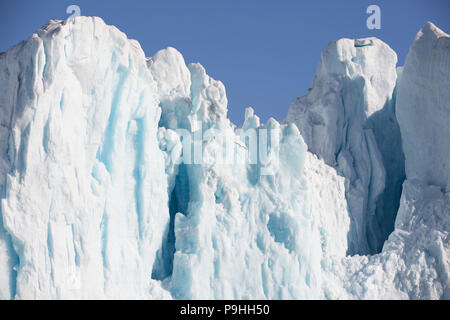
423,108
355,80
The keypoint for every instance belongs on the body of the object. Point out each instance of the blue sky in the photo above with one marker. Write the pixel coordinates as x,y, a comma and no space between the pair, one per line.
265,52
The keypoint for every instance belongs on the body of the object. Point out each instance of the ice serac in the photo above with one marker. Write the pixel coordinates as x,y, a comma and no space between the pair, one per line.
82,173
235,228
240,239
423,108
343,119
415,260
416,256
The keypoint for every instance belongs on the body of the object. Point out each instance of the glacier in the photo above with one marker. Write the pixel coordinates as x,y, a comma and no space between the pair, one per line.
123,178
348,120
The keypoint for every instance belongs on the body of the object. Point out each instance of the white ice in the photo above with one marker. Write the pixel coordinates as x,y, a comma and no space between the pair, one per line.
99,201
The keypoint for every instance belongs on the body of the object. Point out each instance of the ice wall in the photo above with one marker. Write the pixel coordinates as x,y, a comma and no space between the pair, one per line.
103,197
347,118
414,262
96,203
83,178
423,107
235,228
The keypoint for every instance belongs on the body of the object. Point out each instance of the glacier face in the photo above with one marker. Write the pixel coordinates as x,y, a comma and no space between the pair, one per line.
343,119
424,97
104,196
234,227
83,155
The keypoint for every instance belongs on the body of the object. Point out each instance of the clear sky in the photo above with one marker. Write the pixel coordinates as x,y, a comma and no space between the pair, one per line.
265,52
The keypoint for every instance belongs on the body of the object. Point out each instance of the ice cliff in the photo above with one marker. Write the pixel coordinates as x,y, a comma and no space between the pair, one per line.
121,176
348,120
424,107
